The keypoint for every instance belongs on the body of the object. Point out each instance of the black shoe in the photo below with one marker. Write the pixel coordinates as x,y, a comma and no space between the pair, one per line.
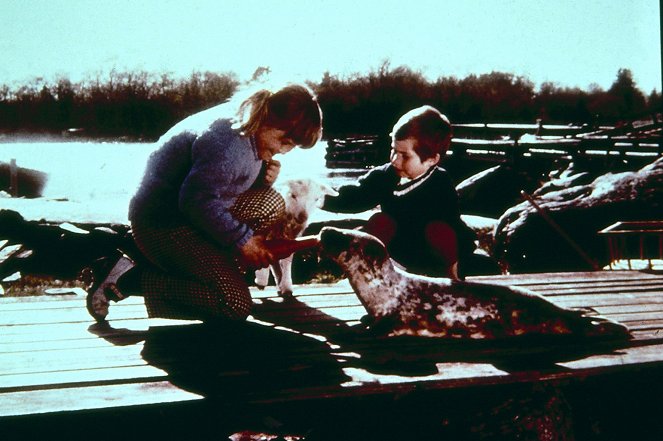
102,279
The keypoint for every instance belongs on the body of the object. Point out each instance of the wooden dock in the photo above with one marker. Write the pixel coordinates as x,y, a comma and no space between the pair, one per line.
307,362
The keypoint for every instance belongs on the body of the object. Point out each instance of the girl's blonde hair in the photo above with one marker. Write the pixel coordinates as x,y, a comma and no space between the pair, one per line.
292,108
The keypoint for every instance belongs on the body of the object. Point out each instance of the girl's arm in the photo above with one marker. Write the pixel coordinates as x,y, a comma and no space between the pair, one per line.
219,173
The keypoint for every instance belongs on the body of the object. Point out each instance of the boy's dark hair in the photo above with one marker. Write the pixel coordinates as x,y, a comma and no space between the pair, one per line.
430,129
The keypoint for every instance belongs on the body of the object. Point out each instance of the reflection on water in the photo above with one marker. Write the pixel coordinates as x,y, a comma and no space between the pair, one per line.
108,172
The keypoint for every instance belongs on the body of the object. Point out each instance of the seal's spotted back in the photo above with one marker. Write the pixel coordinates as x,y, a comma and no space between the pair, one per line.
440,307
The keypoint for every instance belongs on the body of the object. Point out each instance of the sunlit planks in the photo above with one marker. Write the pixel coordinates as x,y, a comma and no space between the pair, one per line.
296,350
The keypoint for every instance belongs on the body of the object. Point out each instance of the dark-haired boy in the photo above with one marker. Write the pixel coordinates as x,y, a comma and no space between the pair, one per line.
419,219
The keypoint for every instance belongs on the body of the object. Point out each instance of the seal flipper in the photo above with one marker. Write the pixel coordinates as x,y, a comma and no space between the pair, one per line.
381,325
606,328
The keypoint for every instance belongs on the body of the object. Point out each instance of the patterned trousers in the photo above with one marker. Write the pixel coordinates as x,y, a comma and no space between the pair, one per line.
192,277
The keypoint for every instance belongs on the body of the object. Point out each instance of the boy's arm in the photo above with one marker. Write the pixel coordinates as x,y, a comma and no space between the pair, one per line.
359,197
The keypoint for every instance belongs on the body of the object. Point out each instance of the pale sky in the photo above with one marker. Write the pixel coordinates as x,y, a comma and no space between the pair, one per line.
569,42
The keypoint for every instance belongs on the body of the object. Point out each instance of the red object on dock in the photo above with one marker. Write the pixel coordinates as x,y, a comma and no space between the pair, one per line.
282,248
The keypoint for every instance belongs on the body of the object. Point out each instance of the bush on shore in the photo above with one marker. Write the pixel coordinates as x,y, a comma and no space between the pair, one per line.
142,105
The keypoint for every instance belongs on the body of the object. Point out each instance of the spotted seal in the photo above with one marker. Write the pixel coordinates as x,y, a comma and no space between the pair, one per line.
445,308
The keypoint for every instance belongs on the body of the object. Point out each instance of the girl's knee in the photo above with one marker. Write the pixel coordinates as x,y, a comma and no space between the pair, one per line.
260,209
233,300
237,309
274,208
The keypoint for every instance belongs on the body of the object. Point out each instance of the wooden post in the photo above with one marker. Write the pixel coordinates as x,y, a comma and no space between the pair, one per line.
13,178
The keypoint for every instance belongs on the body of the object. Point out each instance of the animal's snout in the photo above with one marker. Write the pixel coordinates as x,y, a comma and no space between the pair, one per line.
333,240
602,327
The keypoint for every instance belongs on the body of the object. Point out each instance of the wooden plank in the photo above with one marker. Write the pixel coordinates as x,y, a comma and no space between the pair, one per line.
314,300
83,358
472,375
565,277
8,251
321,290
294,355
78,297
92,397
51,351
608,299
598,289
540,284
122,311
362,381
568,285
95,336
585,299
70,378
647,334
636,324
63,331
553,291
69,315
321,303
633,317
300,313
639,355
115,356
85,341
42,361
74,300
635,308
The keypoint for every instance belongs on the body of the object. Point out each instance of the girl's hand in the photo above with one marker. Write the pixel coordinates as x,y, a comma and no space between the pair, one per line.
272,172
255,254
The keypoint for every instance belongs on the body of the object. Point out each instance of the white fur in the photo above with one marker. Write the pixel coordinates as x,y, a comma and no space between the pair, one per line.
302,197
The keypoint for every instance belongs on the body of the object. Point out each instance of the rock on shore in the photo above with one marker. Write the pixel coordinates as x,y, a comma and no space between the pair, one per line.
528,243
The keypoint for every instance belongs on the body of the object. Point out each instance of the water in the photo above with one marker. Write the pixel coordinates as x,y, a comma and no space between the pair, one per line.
99,178
82,171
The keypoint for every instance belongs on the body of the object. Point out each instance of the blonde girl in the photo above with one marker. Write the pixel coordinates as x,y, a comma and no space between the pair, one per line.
204,205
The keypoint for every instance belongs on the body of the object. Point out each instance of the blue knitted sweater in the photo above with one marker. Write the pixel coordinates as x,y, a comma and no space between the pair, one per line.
194,178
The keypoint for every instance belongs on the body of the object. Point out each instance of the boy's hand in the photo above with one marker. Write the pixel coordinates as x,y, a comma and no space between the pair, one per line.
272,172
453,272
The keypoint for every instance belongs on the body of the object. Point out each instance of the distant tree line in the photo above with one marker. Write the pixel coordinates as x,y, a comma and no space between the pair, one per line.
372,103
124,104
143,105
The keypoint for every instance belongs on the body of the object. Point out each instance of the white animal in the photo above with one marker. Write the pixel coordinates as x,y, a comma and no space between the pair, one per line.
302,197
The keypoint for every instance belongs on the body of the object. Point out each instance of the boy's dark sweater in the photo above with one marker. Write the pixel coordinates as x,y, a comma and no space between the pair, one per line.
431,197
